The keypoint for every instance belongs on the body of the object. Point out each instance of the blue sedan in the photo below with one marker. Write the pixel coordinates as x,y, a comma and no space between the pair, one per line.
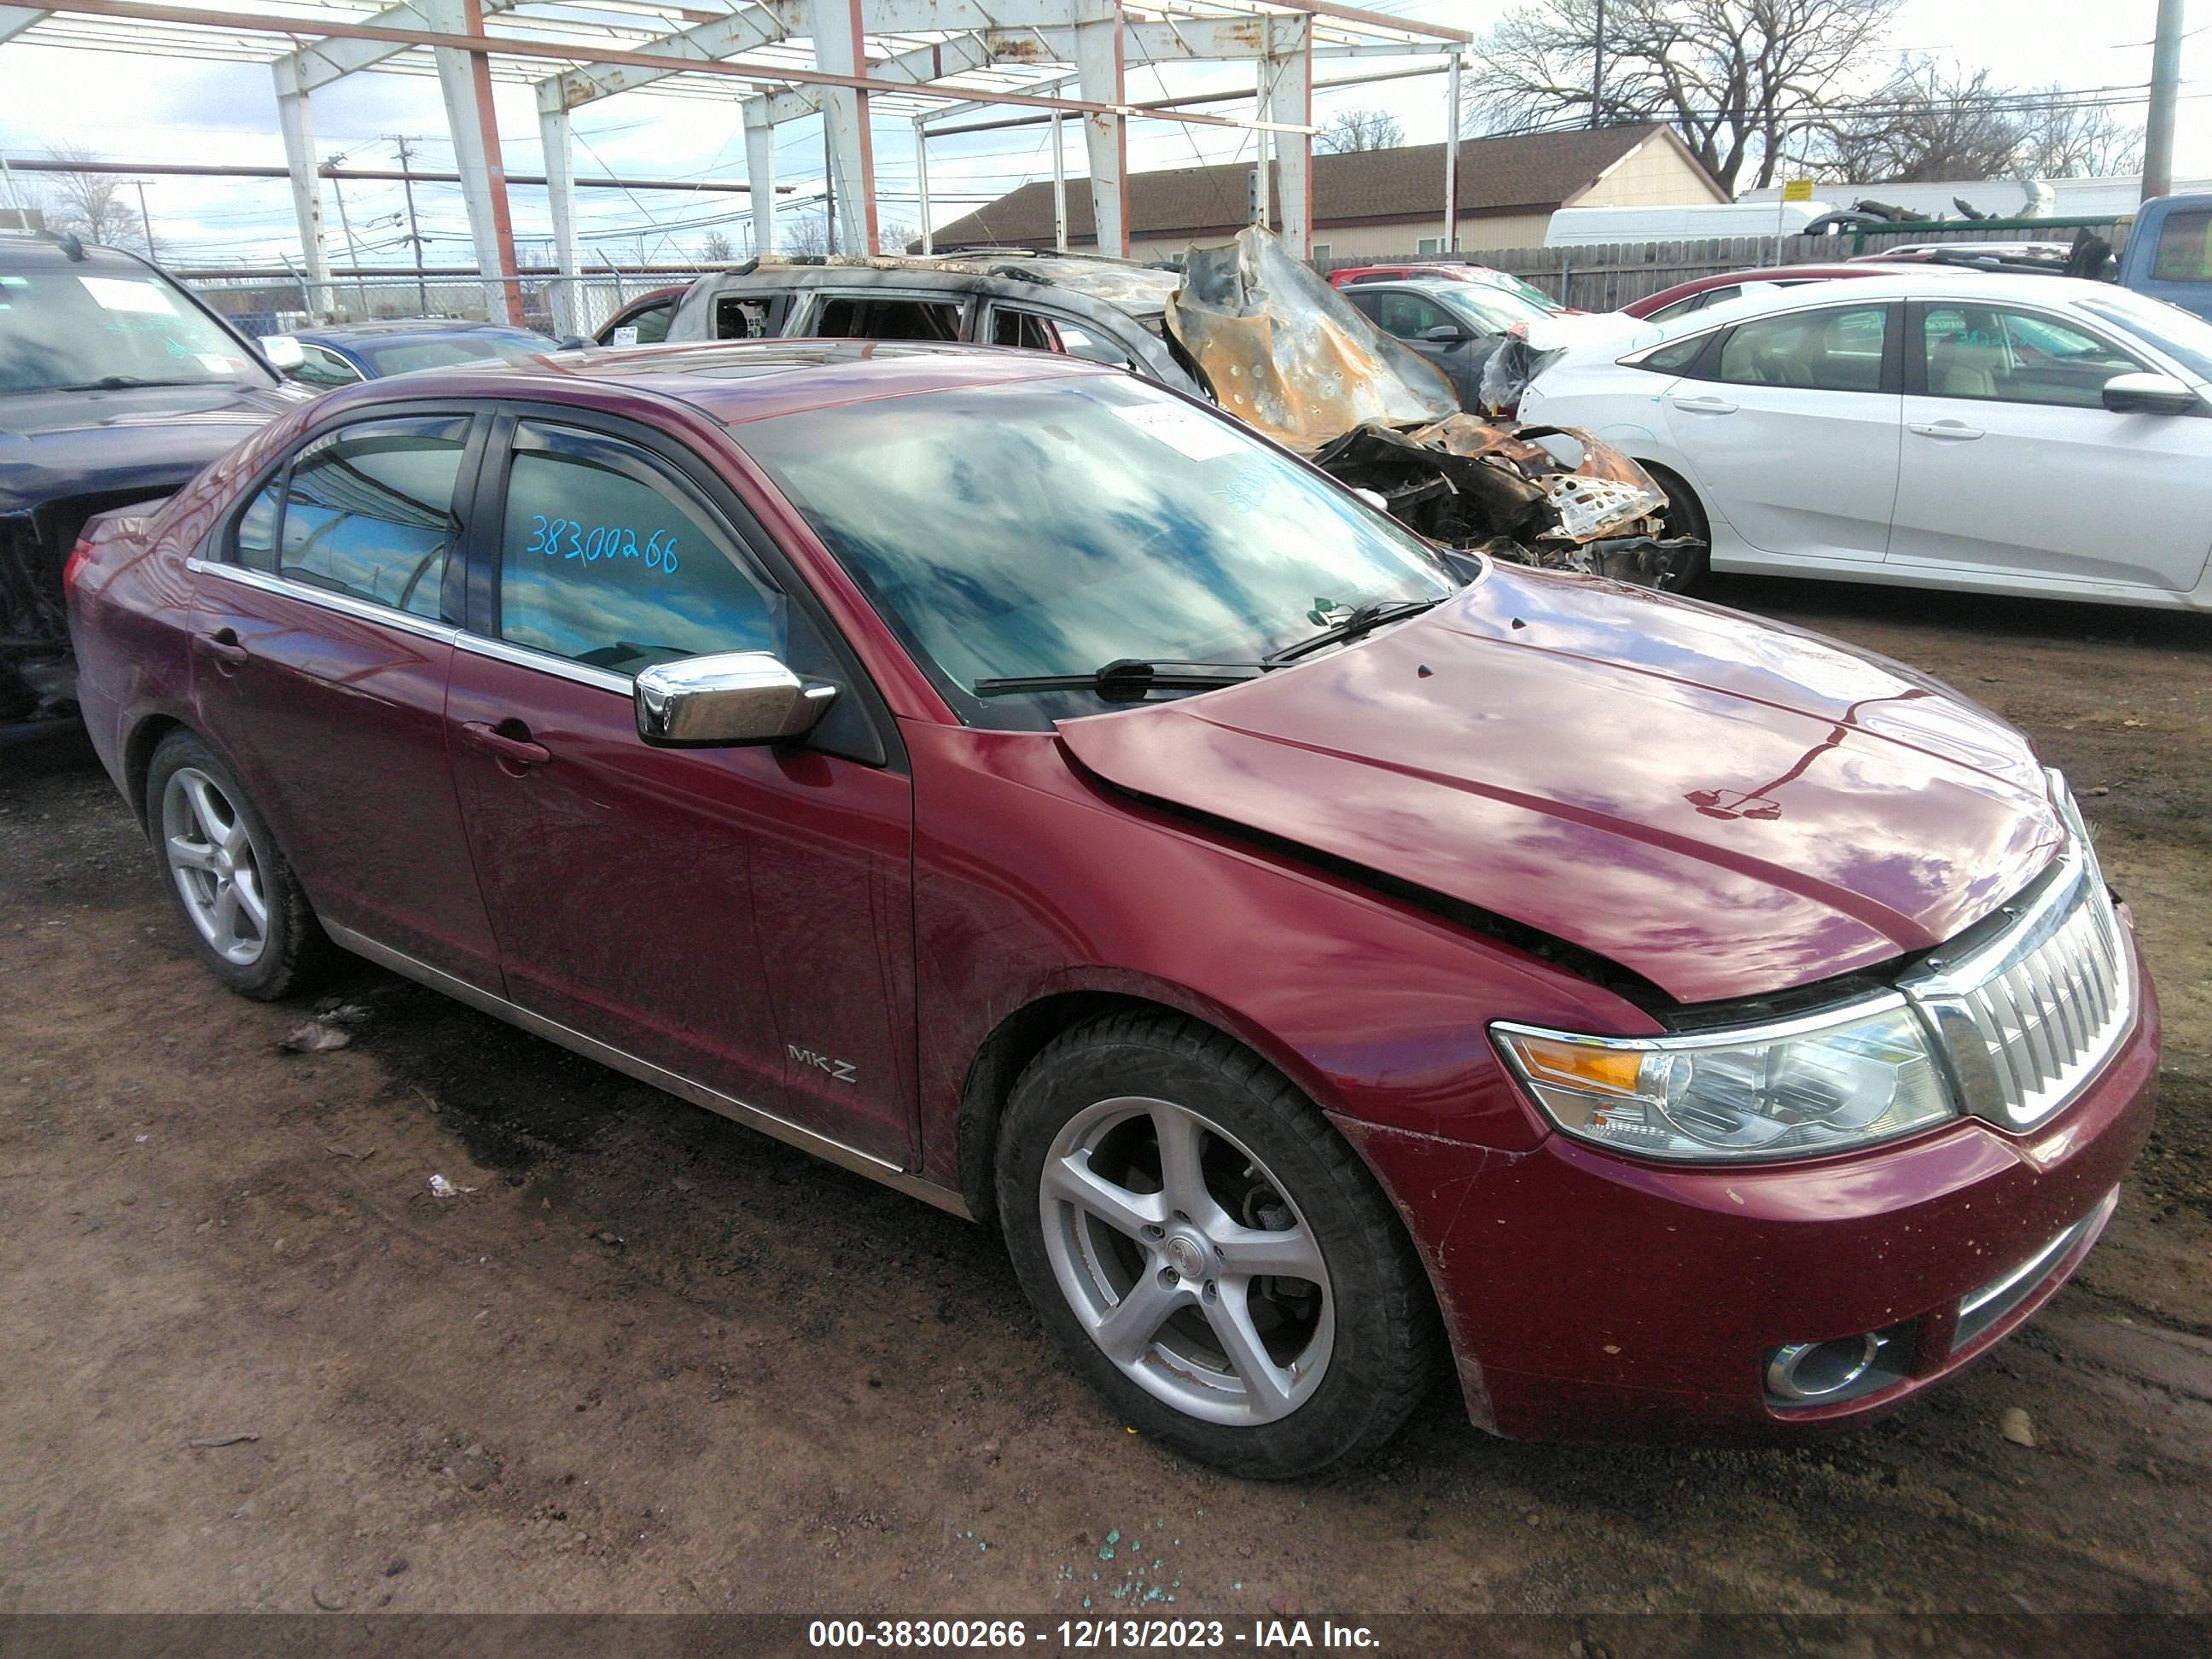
373,351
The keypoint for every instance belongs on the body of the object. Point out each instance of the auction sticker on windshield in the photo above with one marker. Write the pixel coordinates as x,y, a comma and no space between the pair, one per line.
128,294
1183,429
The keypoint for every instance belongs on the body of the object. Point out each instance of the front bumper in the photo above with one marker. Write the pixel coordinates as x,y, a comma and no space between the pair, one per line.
1589,1296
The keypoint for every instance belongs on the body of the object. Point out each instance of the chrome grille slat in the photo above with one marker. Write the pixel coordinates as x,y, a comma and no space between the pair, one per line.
2049,998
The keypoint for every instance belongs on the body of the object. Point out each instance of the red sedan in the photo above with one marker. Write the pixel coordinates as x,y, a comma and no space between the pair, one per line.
1722,285
1022,785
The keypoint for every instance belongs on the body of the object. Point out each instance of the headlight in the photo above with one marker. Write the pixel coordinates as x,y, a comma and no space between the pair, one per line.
1793,1088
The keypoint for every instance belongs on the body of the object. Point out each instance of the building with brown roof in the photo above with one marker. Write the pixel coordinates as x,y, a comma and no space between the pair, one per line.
1378,202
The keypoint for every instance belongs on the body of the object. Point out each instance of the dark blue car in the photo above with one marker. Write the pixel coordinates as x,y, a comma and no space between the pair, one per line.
372,351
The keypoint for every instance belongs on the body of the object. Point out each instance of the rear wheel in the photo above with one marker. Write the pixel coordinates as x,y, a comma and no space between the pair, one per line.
1207,1251
248,918
1685,516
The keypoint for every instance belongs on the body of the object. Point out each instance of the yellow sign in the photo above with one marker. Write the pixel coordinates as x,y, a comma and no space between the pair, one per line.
1797,190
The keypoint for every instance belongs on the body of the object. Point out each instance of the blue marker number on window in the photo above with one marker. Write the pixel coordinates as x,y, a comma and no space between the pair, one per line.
558,539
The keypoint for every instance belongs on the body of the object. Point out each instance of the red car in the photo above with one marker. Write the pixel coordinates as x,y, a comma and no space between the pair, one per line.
1721,285
1024,786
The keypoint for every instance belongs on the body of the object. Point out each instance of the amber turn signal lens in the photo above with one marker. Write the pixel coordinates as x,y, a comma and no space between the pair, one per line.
1579,1066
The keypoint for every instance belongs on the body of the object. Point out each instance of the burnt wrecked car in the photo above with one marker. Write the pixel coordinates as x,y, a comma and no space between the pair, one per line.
116,387
1320,953
1254,329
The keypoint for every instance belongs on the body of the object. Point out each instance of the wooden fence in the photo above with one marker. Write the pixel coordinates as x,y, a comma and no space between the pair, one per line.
1608,277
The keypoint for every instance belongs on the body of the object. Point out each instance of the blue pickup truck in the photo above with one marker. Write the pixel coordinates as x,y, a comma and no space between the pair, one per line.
2169,251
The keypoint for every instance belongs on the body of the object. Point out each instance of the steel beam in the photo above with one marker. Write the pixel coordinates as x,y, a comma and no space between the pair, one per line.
760,172
1099,62
316,65
841,48
296,119
464,77
1451,158
14,19
725,37
554,138
1287,71
917,67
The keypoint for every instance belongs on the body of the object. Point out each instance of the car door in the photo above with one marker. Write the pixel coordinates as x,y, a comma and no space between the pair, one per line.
1412,317
1790,430
2013,466
323,617
874,313
741,917
1030,328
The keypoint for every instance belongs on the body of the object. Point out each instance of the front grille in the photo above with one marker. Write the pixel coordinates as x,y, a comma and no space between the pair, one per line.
2029,1017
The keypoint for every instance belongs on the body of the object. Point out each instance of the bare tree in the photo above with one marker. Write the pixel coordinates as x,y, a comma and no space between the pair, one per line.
1359,129
2065,139
895,235
803,234
1736,78
1923,125
714,249
95,205
1927,124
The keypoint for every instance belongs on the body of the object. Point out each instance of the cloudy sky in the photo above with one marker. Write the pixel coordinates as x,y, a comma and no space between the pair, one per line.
134,109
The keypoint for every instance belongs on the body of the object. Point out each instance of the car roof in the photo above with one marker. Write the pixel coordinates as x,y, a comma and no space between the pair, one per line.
733,381
1141,290
1932,282
404,327
21,251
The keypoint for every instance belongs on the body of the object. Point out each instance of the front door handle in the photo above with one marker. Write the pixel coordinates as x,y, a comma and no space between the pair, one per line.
222,647
1958,431
519,751
1705,405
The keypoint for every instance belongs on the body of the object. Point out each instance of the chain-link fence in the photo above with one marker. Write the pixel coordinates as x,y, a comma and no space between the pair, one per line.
261,304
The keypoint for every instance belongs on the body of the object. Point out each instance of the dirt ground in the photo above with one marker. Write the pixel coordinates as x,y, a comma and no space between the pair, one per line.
644,1359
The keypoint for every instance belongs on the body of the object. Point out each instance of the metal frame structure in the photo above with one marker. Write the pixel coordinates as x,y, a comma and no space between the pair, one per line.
852,62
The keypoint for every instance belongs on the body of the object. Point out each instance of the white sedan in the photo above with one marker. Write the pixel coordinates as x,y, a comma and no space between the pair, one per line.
1997,433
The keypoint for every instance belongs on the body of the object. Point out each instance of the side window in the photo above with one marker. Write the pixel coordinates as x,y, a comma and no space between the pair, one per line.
609,560
2185,247
868,317
1023,329
254,542
1676,358
2016,357
319,367
368,511
735,319
1836,350
652,324
1682,307
1409,316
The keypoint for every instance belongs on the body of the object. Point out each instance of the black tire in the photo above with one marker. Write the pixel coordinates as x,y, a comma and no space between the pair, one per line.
1386,1340
293,951
1685,516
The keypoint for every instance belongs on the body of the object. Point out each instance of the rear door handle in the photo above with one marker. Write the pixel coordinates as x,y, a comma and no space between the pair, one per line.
1954,429
222,647
520,750
1705,405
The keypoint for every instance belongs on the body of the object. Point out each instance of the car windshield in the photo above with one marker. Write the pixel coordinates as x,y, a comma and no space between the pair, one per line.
1491,311
402,355
2181,335
93,327
1528,293
1053,527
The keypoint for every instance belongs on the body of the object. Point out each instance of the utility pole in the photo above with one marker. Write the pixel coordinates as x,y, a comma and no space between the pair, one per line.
2165,87
414,230
1597,63
828,191
145,220
353,253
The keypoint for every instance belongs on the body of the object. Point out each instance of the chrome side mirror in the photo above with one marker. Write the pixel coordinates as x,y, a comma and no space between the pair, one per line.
723,701
2148,394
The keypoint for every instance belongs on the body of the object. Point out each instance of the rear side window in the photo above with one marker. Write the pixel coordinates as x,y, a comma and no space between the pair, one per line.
608,559
368,512
735,319
1408,316
1676,358
1838,350
2185,247
254,542
867,317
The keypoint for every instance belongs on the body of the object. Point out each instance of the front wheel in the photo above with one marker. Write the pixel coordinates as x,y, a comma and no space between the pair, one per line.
1208,1251
1685,516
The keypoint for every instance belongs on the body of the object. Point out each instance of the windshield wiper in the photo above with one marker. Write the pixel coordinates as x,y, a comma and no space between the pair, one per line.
1360,620
126,382
1129,680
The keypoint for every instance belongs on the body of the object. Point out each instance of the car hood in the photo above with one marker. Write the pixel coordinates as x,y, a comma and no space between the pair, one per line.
151,438
1725,807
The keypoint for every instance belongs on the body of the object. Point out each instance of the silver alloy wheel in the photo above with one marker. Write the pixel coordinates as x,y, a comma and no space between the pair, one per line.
1186,1261
215,866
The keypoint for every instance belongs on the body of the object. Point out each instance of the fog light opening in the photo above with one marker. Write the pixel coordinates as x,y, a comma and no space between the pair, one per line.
1817,1370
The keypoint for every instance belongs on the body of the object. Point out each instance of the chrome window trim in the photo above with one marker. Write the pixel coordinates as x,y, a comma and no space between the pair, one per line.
342,603
544,662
